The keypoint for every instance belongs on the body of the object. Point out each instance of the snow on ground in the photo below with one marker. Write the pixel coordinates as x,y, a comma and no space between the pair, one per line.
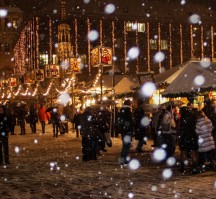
46,167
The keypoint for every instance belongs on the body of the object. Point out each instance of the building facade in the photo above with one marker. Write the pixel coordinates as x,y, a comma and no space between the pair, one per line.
10,20
163,34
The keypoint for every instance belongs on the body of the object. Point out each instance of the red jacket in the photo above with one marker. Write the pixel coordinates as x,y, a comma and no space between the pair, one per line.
42,115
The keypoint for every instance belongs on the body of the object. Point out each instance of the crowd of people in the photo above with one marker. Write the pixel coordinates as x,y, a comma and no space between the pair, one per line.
193,130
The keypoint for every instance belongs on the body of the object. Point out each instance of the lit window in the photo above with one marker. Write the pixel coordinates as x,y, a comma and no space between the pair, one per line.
130,26
44,59
141,27
153,44
15,23
164,45
54,59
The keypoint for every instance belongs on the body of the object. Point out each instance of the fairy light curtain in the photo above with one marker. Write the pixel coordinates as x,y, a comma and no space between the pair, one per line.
89,46
101,33
181,43
113,38
125,47
148,47
76,35
191,41
50,41
202,42
212,42
159,42
137,45
170,44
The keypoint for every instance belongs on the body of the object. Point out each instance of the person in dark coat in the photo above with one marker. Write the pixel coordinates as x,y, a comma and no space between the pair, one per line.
21,112
188,139
56,121
103,125
89,135
167,131
77,121
140,129
4,131
125,121
33,118
11,117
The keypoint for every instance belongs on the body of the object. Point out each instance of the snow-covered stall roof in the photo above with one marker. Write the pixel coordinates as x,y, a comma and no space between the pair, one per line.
193,77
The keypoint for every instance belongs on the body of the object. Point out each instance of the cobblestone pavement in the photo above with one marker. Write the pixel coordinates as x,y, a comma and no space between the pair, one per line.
46,167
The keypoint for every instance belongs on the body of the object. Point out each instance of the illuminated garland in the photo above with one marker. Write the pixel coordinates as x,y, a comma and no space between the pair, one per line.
31,42
37,43
181,44
192,42
202,42
125,47
159,42
76,36
148,47
89,46
137,45
34,42
28,43
212,42
101,32
50,41
113,38
170,43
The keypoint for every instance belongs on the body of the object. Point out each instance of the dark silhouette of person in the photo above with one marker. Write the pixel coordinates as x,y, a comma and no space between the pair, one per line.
56,121
33,118
125,121
4,131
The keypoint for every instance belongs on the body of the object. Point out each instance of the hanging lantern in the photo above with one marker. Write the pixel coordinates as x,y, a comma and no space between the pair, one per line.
101,56
52,71
4,83
39,75
12,82
74,65
29,78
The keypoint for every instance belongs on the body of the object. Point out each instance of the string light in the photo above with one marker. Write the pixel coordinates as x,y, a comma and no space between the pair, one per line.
159,42
28,43
31,42
137,44
170,43
192,42
76,35
89,46
148,47
202,42
50,41
37,43
125,47
181,44
113,37
101,32
34,42
212,42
